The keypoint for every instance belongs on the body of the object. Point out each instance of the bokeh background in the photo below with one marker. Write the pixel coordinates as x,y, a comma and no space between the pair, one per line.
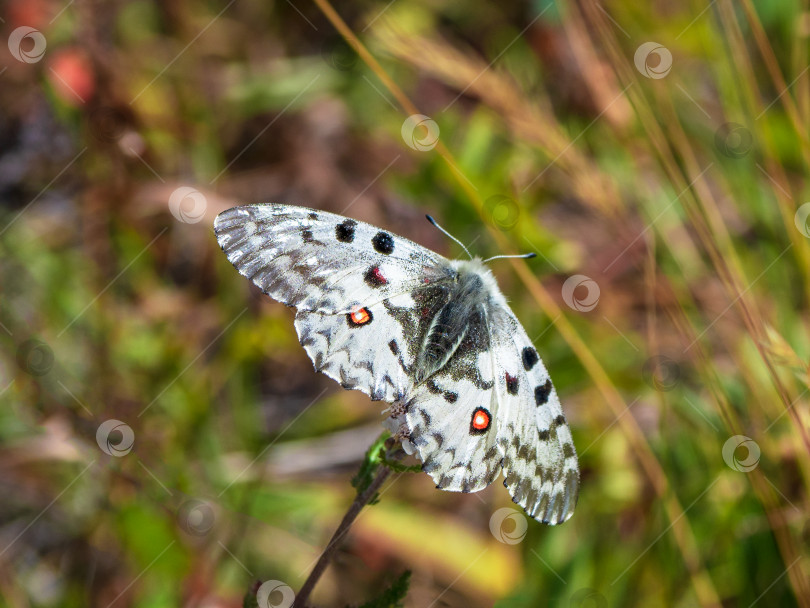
164,439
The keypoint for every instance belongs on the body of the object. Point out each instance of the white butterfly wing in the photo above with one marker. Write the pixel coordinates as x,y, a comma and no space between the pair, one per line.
364,356
321,262
457,456
458,453
539,459
505,383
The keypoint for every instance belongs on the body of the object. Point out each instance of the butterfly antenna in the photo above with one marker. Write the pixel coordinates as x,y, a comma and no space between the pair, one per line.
525,256
432,221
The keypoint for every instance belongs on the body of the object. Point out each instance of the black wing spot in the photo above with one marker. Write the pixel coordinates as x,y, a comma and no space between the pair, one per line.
511,384
433,387
530,358
313,216
383,242
543,435
559,420
438,438
394,348
542,392
306,234
450,396
568,450
344,232
444,481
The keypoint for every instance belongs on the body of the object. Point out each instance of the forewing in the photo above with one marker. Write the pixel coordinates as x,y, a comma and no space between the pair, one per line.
539,459
319,261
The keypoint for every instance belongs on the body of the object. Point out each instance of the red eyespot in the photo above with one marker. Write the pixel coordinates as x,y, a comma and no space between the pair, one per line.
359,316
481,421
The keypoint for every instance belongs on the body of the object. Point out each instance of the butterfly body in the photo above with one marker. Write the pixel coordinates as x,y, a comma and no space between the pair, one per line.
433,337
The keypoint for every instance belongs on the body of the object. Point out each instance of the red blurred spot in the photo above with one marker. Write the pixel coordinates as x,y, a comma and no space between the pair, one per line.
71,76
33,13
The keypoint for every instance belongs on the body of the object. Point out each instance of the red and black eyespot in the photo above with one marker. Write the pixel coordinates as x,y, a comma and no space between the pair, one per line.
480,421
359,317
511,384
374,277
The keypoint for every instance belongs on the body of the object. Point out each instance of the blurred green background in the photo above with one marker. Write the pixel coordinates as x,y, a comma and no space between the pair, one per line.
654,155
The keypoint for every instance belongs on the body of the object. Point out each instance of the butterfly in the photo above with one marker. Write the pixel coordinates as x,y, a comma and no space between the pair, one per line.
435,338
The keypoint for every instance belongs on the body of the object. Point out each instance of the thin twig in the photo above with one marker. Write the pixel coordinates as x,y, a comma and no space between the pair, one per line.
354,510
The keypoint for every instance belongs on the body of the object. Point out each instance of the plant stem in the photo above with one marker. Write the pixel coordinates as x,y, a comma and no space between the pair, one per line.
323,561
